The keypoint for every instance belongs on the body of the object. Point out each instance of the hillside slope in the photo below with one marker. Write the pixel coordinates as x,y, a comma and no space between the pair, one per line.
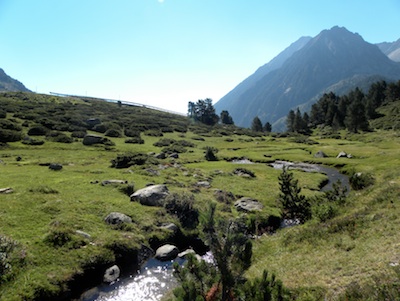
7,83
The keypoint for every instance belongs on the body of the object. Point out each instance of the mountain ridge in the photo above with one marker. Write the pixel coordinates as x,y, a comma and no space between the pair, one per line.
334,55
7,83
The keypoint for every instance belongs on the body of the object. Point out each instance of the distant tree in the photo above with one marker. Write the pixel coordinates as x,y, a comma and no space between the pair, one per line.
267,127
290,121
226,118
356,118
203,111
256,125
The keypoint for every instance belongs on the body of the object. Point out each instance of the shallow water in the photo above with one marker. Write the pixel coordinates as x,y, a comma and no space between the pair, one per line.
332,173
151,283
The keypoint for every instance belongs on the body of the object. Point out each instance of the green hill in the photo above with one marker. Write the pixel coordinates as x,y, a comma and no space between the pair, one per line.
54,239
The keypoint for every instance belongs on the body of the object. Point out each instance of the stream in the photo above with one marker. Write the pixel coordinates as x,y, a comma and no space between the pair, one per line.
332,173
150,283
155,278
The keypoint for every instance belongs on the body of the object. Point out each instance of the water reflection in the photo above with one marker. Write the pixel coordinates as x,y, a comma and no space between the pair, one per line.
153,281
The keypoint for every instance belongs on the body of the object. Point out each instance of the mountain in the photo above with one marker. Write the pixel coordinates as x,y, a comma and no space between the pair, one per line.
7,83
334,58
392,50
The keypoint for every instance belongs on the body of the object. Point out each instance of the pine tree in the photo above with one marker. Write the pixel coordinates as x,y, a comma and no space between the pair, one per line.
226,118
256,125
267,127
293,204
290,121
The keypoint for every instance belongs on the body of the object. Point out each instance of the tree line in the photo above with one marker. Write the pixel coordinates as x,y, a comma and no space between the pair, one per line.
352,111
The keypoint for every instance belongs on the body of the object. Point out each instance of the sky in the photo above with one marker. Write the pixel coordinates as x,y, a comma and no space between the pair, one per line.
165,53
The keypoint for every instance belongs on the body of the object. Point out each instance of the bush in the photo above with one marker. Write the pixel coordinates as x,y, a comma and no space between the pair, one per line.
210,154
59,137
100,128
182,206
128,159
58,237
10,135
154,133
11,255
131,132
164,142
174,148
359,180
37,130
113,133
78,134
32,141
9,125
135,140
325,211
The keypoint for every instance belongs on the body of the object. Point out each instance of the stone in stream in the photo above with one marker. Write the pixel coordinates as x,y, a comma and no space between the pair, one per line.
111,274
167,252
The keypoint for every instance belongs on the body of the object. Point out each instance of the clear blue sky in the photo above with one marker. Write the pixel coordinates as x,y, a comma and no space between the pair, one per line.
167,52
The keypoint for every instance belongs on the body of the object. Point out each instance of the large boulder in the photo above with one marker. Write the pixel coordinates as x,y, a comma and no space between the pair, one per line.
247,204
167,252
117,218
111,274
153,195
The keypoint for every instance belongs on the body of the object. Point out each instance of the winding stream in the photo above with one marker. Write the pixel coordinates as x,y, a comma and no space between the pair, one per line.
155,278
332,173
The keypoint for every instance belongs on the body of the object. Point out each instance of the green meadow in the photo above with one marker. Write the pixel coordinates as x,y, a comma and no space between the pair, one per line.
354,253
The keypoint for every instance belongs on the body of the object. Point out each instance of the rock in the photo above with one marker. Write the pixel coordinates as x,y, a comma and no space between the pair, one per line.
160,156
204,184
111,274
184,253
287,222
92,139
174,156
113,182
170,226
153,195
167,252
344,155
55,166
84,234
117,218
6,190
248,204
320,154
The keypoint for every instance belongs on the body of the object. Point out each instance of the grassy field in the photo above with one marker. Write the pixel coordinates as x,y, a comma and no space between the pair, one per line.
358,249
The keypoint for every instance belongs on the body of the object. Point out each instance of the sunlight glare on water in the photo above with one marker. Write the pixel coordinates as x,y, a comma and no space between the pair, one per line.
150,284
